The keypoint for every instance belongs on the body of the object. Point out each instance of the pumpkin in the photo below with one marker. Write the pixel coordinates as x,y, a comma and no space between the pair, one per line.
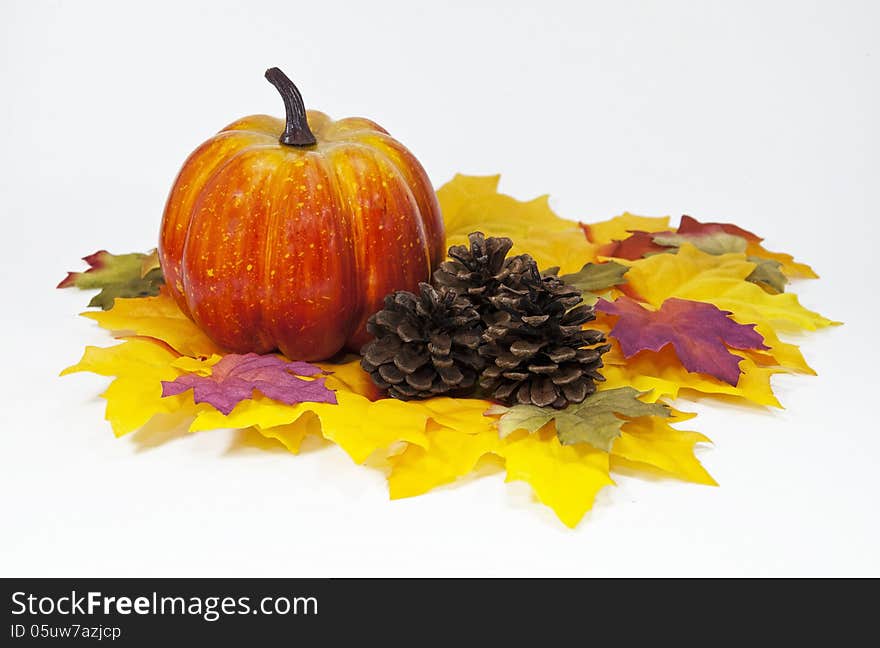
288,234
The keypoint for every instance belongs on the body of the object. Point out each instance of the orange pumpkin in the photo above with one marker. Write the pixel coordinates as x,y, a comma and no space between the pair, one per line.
288,234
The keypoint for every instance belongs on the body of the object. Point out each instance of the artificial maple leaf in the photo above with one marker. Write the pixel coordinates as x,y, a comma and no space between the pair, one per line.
768,274
459,436
346,374
712,238
635,246
620,227
597,277
472,203
292,435
156,317
565,478
652,441
708,242
690,225
661,375
699,332
357,424
236,377
647,443
198,366
116,275
720,280
792,268
779,354
450,454
135,396
597,420
642,244
150,262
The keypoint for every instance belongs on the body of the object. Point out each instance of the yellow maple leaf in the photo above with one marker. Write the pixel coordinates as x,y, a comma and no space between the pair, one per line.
348,375
135,395
652,441
356,424
450,454
198,366
472,203
790,267
565,478
291,435
781,354
150,262
661,375
719,280
619,227
157,317
465,414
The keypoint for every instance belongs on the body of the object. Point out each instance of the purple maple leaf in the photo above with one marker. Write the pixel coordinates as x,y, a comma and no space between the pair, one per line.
699,332
235,378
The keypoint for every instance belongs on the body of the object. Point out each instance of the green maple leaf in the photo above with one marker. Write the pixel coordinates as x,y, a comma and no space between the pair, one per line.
597,420
711,243
593,278
117,275
768,274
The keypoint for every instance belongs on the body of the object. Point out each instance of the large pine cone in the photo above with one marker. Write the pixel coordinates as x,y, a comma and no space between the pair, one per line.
477,270
537,352
425,344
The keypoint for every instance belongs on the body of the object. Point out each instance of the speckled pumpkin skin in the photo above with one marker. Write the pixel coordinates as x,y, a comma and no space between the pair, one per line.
267,246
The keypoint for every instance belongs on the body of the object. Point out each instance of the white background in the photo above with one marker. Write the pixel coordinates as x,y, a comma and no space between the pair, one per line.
760,113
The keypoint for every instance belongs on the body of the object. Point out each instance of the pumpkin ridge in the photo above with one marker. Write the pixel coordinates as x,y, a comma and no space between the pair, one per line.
404,183
208,184
310,169
369,303
171,244
267,324
355,233
414,175
357,302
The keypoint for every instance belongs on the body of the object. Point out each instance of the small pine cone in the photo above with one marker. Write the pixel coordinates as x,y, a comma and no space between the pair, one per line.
479,269
425,344
536,349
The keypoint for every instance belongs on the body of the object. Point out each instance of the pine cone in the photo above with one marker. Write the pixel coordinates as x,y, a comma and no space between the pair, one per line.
425,344
478,270
535,347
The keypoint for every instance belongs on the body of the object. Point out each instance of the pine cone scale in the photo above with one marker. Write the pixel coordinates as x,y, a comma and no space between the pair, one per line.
537,351
426,344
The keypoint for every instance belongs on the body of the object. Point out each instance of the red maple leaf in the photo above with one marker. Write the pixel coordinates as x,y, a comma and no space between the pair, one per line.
700,334
689,225
637,245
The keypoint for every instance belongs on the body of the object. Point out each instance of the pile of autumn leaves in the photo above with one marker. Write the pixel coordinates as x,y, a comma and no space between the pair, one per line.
697,309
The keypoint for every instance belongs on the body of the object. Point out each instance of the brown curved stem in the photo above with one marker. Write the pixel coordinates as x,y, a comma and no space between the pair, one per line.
296,131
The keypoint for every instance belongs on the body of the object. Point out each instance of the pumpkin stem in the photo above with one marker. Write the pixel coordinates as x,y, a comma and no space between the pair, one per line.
296,131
